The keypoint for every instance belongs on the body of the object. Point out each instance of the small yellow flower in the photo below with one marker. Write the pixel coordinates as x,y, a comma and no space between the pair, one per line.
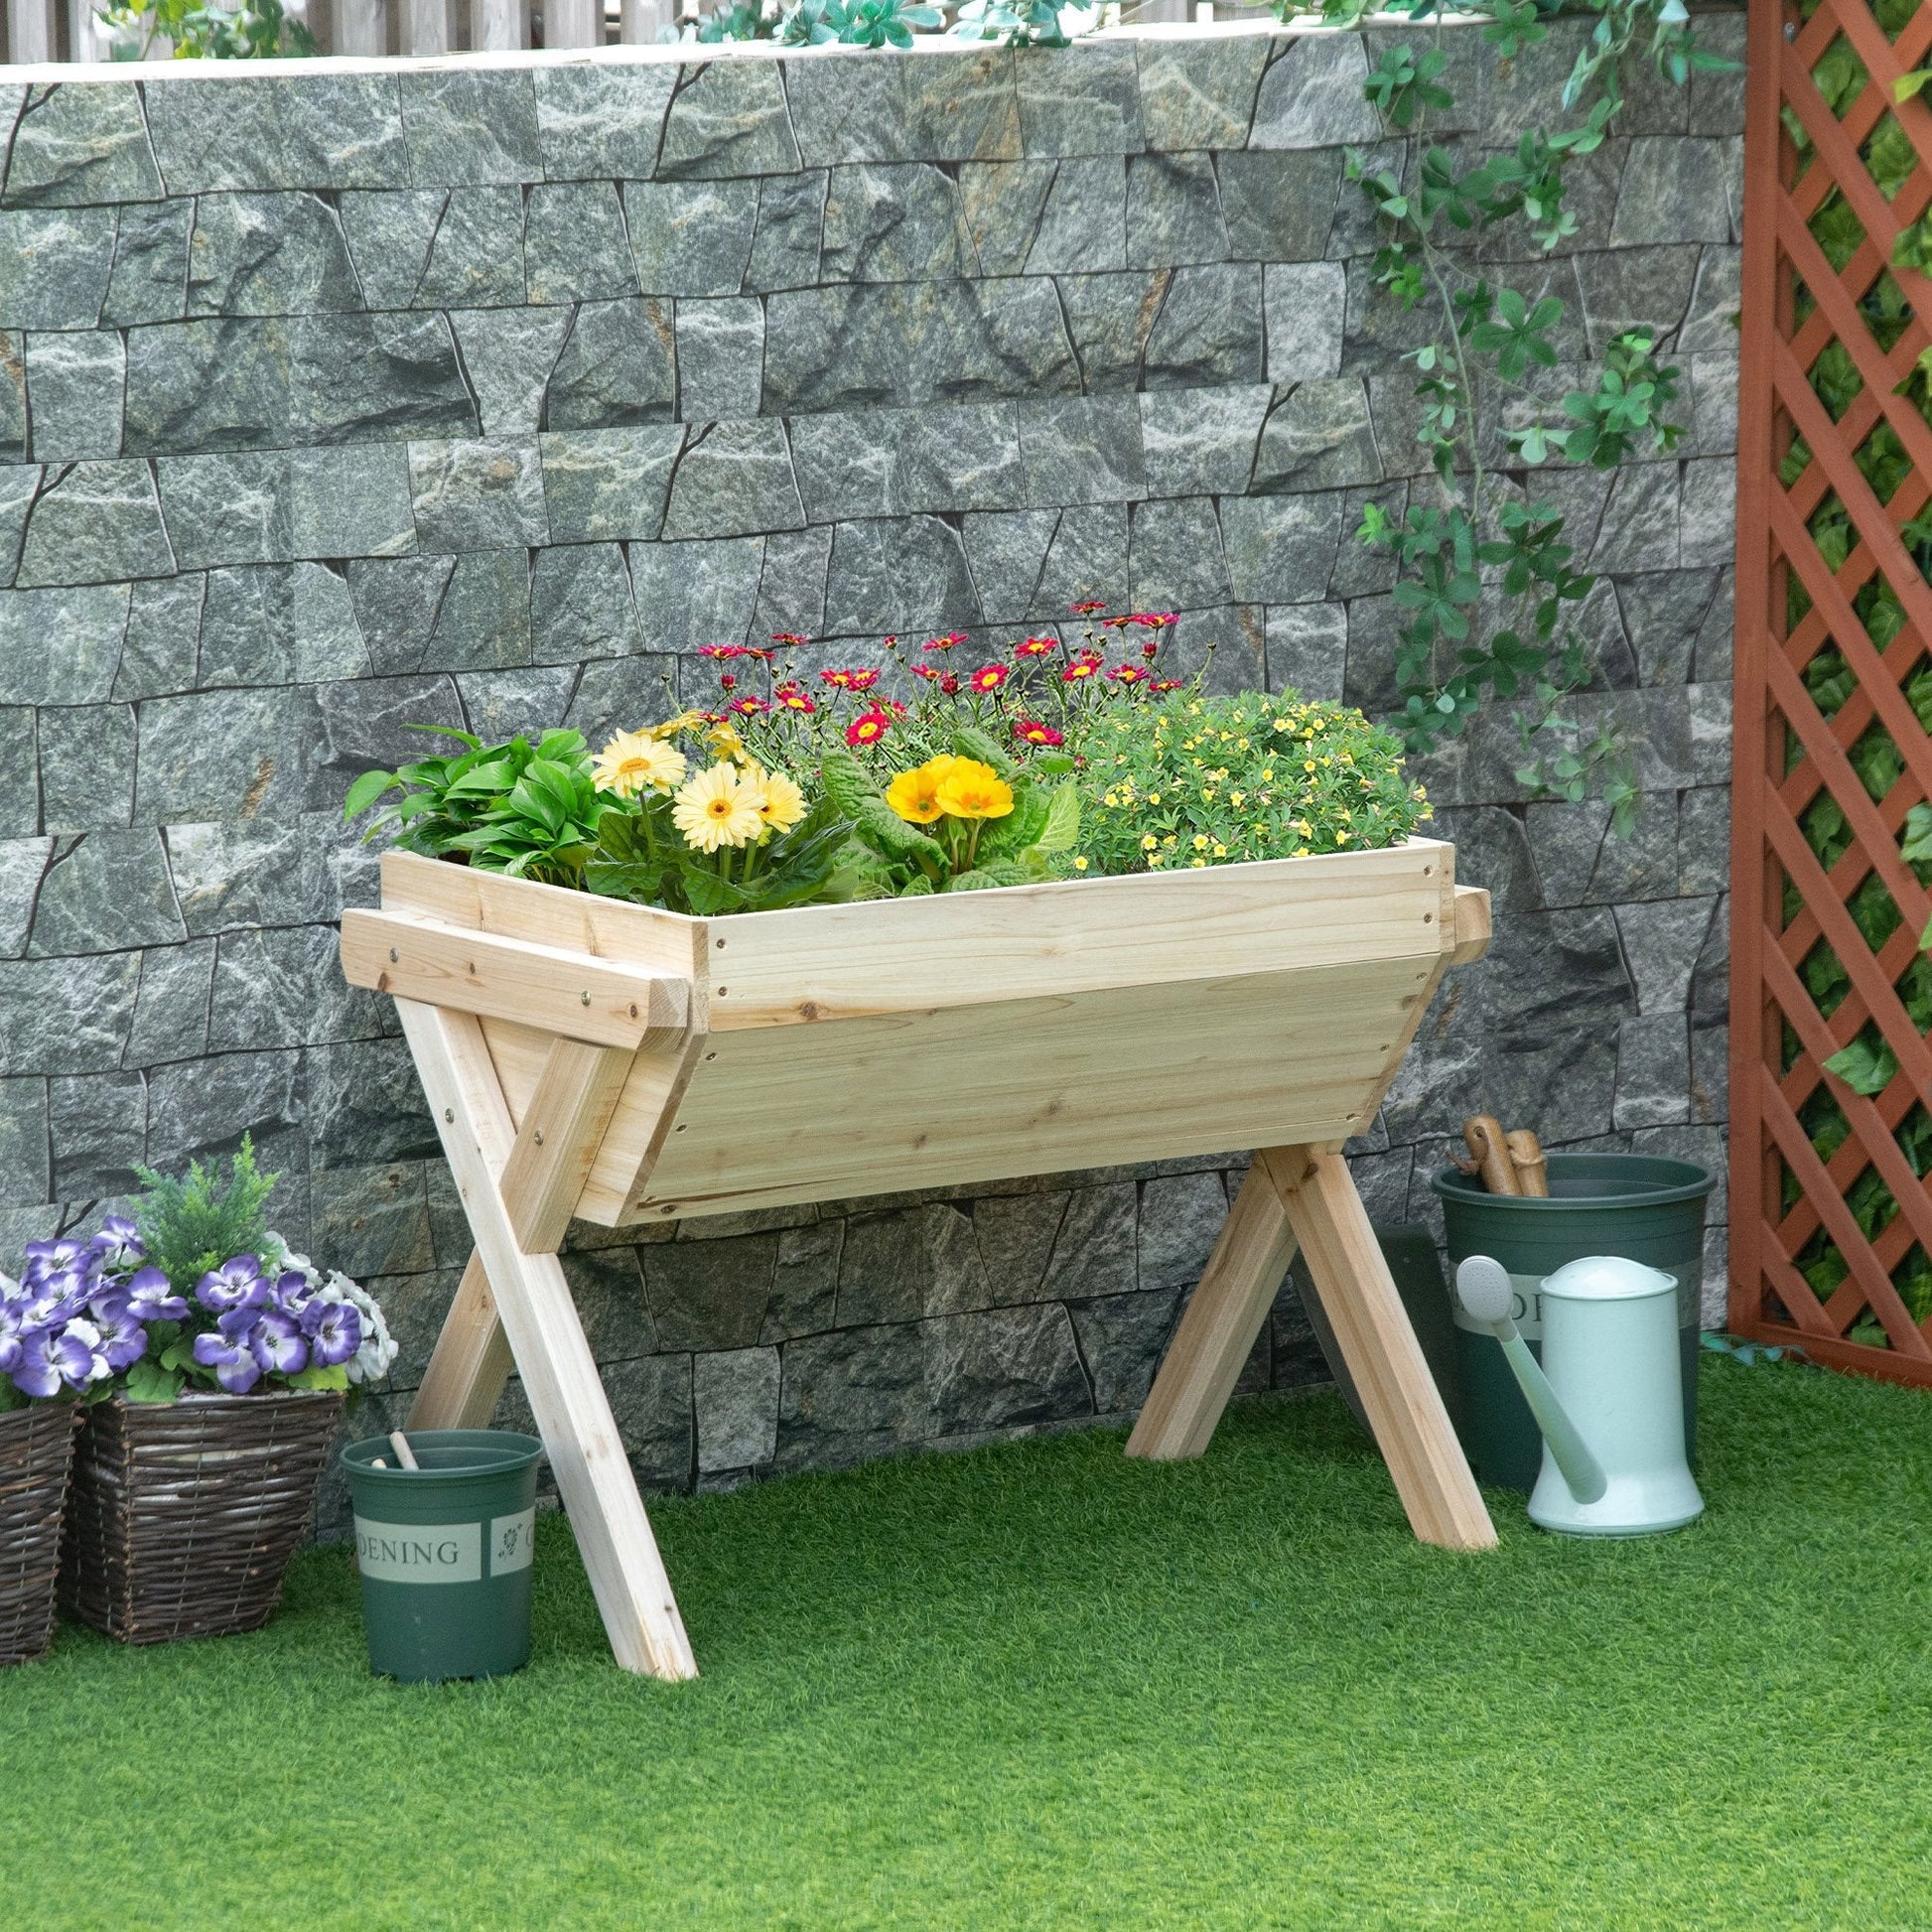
717,809
914,796
1220,850
1149,842
970,789
1200,841
685,721
1081,863
636,762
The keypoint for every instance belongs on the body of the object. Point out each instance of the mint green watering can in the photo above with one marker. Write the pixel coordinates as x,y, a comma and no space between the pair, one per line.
1609,1396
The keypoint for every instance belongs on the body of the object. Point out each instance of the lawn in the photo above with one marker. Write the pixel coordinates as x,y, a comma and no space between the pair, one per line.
1039,1686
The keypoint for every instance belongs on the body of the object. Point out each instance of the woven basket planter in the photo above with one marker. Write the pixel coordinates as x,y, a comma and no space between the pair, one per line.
184,1515
35,1460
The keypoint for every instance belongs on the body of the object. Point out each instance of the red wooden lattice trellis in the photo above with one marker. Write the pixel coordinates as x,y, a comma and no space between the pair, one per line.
1831,1222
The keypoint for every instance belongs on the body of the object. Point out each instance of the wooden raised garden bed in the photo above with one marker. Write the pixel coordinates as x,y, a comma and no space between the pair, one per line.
589,1057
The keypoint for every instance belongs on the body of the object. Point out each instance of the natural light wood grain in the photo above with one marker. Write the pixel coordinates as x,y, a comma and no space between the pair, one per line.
466,1375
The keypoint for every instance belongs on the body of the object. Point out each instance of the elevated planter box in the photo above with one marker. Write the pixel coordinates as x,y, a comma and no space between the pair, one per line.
588,1057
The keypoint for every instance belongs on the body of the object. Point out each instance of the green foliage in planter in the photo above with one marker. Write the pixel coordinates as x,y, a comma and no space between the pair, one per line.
256,30
860,23
192,1222
1202,781
640,856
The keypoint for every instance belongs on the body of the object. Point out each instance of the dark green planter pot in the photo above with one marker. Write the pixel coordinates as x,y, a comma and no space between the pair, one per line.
1641,1206
445,1552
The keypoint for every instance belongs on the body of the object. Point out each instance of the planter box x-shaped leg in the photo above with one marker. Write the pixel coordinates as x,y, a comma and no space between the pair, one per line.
518,1189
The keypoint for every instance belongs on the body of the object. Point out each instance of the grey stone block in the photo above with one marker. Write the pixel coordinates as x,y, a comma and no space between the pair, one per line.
731,480
1174,211
907,573
285,988
464,125
365,1104
1110,319
1001,203
693,594
92,522
609,1292
1308,648
804,1287
1281,550
79,146
334,130
616,370
268,255
1121,1340
1199,93
1002,1368
850,1394
1652,1071
1279,206
892,223
1311,95
420,613
60,646
475,257
277,505
1629,288
847,109
607,483
1661,943
26,1175
75,384
1083,224
1704,840
579,605
18,489
1016,1235
1713,404
1238,634
1095,1249
575,248
279,625
1710,316
1084,99
709,1295
86,768
509,354
227,876
1007,552
720,358
728,118
108,891
1174,558
914,342
389,238
371,1221
149,282
791,590
1087,558
786,243
171,1007
962,108
619,694
12,405
1710,510
23,862
266,741
1209,330
691,237
1639,529
500,704
1202,441
736,1396
20,795
96,1124
1675,190
66,1016
1304,305
602,123
1082,450
476,495
1319,435
651,1400
55,265
847,463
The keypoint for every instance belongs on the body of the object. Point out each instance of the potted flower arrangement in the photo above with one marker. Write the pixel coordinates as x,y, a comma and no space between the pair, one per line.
217,1365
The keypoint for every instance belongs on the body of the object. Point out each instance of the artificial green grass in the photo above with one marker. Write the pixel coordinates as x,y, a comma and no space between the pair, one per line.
1039,1686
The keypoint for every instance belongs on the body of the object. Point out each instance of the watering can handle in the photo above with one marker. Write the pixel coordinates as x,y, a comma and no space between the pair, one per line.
1580,1469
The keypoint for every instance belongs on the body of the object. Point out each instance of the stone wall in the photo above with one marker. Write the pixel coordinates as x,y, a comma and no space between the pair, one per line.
337,401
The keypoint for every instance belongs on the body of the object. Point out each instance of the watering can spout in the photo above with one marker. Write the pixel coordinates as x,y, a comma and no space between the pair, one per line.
1483,1286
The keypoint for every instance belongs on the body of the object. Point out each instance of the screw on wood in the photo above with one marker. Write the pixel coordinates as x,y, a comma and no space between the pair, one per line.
449,1113
393,955
586,998
538,1136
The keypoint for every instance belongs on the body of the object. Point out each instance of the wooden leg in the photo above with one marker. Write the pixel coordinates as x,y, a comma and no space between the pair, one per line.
1203,1362
466,1375
560,1376
1411,1428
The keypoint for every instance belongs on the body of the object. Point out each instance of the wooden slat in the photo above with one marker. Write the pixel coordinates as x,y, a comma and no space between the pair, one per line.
499,26
558,1138
560,1377
426,26
362,26
33,31
564,993
471,1361
1219,1329
573,23
1471,925
1358,1296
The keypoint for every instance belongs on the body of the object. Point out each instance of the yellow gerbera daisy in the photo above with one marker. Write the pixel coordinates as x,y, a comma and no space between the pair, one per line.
970,789
636,762
714,809
780,803
914,796
723,739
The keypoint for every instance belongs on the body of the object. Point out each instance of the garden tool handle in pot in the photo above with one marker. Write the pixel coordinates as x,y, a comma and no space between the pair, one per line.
1483,1286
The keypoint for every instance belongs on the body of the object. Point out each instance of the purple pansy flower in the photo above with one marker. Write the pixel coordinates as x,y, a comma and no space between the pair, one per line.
150,1299
56,1298
231,1360
236,1284
334,1331
53,1356
123,1341
293,1291
117,1246
278,1344
44,1258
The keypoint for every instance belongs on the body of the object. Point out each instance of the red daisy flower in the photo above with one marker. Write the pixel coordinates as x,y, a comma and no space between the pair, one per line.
949,684
747,707
794,699
1165,684
1081,667
1037,648
864,680
721,651
1153,619
946,643
729,682
868,727
840,679
989,677
1150,648
790,640
1127,673
1031,731
922,670
1087,608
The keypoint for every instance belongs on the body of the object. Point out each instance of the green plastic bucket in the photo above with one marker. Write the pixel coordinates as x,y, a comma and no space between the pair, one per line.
1642,1206
445,1552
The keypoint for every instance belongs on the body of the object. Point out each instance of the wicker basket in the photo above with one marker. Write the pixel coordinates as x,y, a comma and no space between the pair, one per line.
36,1460
185,1514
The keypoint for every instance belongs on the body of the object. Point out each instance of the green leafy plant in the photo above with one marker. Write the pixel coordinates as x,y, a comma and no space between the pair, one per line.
189,1223
860,23
258,30
1196,780
641,856
1013,23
